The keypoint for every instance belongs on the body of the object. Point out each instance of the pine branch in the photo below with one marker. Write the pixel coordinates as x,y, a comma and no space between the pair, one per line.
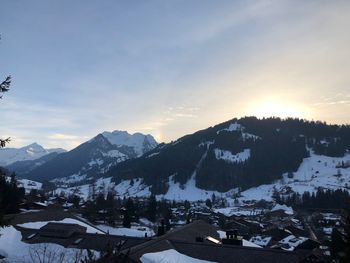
5,85
4,141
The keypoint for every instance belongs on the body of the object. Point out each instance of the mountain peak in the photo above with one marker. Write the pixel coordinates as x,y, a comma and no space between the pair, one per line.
140,142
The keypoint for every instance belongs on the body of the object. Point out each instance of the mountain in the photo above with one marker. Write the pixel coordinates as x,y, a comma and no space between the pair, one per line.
237,154
22,167
31,152
92,158
139,142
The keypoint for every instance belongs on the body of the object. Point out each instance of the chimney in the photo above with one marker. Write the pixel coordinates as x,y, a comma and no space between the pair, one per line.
161,228
232,238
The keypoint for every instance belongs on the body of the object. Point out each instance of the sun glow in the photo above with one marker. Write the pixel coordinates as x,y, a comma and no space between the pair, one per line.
278,109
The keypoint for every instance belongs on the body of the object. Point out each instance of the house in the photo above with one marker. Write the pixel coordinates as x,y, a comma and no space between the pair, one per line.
200,240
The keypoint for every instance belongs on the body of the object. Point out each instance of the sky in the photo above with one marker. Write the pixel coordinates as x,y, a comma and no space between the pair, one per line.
168,68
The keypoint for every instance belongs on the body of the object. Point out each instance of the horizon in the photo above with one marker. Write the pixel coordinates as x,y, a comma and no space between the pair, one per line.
168,68
160,142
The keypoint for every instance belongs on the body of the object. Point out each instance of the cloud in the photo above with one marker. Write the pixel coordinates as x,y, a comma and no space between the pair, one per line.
60,136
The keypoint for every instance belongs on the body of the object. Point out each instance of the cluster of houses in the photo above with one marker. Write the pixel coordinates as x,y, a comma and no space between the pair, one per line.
247,233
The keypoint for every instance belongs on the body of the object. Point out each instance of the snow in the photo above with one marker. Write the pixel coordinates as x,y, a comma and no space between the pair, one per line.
238,211
291,242
247,243
30,152
39,224
137,231
304,179
136,140
232,158
327,230
287,210
169,256
314,172
152,154
115,154
262,241
17,251
189,191
233,127
123,189
29,184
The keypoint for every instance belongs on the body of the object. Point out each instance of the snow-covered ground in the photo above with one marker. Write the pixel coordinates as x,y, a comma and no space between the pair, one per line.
17,251
170,256
190,191
287,210
125,188
137,231
314,172
39,224
29,184
238,211
230,157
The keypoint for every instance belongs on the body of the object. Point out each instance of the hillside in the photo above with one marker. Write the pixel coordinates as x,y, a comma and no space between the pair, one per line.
240,153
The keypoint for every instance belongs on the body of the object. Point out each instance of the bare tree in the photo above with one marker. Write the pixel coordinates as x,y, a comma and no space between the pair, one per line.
46,253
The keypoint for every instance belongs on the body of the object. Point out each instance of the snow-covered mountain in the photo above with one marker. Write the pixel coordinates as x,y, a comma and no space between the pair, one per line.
92,158
139,142
237,154
30,152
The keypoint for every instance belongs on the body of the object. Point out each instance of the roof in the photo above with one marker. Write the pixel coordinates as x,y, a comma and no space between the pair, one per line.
237,254
61,230
98,242
187,233
184,241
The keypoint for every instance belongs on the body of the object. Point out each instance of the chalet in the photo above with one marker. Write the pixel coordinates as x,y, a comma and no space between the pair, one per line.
201,241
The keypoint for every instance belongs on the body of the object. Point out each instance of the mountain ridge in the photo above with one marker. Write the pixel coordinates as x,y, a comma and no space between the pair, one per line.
90,159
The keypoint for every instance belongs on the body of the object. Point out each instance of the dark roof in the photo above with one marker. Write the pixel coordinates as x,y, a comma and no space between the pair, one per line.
237,254
187,233
61,230
98,242
183,240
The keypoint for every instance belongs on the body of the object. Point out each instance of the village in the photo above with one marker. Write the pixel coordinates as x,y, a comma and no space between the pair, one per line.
110,227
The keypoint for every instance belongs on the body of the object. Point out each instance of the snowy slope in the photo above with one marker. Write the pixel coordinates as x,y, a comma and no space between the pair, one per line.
314,172
30,152
126,188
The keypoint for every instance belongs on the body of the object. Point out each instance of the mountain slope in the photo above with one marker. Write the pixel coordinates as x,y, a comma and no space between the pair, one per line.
30,152
92,158
22,167
240,153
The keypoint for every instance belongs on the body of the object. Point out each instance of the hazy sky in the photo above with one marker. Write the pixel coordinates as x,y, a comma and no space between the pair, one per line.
168,68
